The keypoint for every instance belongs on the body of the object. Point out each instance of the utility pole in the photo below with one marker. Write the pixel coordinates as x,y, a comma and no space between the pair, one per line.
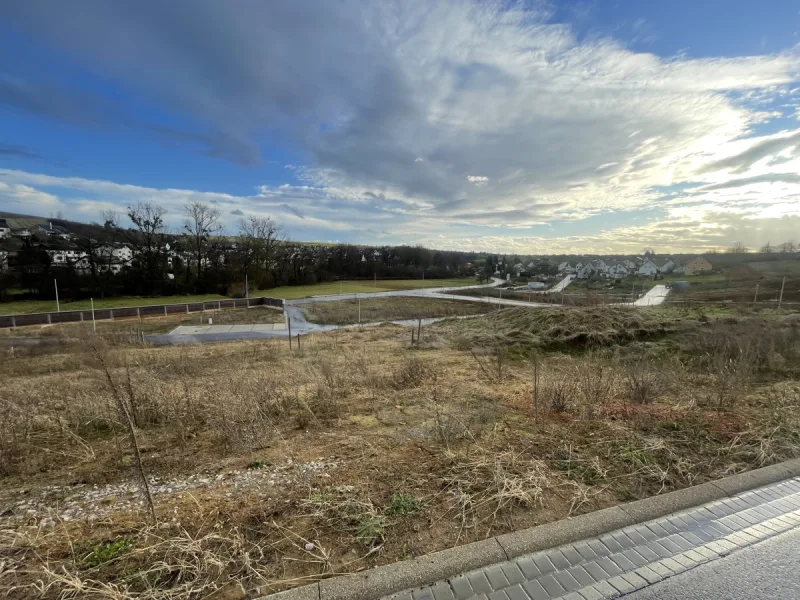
58,306
780,298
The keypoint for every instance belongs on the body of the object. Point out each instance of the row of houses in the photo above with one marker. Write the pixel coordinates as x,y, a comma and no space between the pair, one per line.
627,268
39,230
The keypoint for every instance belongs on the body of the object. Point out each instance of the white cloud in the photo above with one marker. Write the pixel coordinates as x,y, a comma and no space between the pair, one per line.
564,129
477,179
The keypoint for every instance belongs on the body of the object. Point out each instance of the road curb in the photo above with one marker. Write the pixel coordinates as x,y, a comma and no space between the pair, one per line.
436,566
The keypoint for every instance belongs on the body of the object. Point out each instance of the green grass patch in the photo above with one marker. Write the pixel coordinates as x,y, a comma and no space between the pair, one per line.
361,287
403,505
20,307
107,551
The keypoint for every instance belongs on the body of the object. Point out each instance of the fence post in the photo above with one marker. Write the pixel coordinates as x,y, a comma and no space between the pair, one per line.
138,313
13,322
49,321
187,308
289,321
298,341
165,310
81,316
111,314
755,298
780,298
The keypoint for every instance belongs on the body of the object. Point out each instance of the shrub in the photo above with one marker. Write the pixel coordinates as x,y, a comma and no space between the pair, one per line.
559,393
643,384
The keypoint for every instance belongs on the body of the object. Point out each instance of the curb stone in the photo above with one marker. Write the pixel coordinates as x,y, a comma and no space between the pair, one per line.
382,581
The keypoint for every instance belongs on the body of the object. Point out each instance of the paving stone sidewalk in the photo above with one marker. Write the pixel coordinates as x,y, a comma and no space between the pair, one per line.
629,559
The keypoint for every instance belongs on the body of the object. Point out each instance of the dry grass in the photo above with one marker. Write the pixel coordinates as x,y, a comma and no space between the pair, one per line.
276,468
391,308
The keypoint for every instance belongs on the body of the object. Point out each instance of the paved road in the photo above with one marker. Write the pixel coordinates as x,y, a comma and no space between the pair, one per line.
766,571
654,296
299,324
723,549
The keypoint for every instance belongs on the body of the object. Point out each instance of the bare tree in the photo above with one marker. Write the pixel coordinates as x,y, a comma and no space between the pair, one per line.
110,218
737,248
648,252
148,239
258,238
767,248
202,222
787,247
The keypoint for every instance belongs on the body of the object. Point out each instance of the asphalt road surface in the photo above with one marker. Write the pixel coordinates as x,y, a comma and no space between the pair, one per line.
769,570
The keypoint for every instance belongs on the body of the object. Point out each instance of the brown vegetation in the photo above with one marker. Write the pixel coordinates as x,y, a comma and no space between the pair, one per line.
390,308
276,468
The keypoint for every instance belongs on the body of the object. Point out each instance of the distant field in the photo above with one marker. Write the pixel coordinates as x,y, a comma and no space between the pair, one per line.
34,306
287,292
343,312
361,287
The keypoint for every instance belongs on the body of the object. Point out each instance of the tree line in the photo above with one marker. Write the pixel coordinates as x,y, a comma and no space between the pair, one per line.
200,258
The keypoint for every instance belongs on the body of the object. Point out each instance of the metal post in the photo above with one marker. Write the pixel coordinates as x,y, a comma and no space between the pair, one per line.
755,298
359,309
58,306
298,341
138,313
14,322
165,310
289,321
94,323
246,288
780,298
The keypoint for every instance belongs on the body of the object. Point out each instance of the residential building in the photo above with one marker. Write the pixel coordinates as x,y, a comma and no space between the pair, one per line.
5,230
697,265
630,264
667,267
648,268
586,271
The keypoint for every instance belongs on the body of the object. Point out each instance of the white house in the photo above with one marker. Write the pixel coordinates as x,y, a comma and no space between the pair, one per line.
601,266
586,271
618,271
648,268
630,264
562,267
668,266
121,254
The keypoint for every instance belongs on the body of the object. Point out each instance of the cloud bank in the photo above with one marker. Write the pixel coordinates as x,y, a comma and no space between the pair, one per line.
453,124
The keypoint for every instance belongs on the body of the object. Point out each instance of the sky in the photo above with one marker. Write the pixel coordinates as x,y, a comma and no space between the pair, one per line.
597,126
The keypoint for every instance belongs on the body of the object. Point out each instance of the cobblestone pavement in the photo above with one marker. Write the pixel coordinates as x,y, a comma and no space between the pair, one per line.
632,558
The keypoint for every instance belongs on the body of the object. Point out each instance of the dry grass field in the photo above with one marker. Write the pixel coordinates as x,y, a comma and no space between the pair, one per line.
276,468
391,308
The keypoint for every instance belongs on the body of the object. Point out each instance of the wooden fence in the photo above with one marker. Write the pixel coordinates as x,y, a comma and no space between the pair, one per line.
128,312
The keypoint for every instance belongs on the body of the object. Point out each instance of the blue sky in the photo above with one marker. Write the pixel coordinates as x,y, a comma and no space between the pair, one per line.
486,125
